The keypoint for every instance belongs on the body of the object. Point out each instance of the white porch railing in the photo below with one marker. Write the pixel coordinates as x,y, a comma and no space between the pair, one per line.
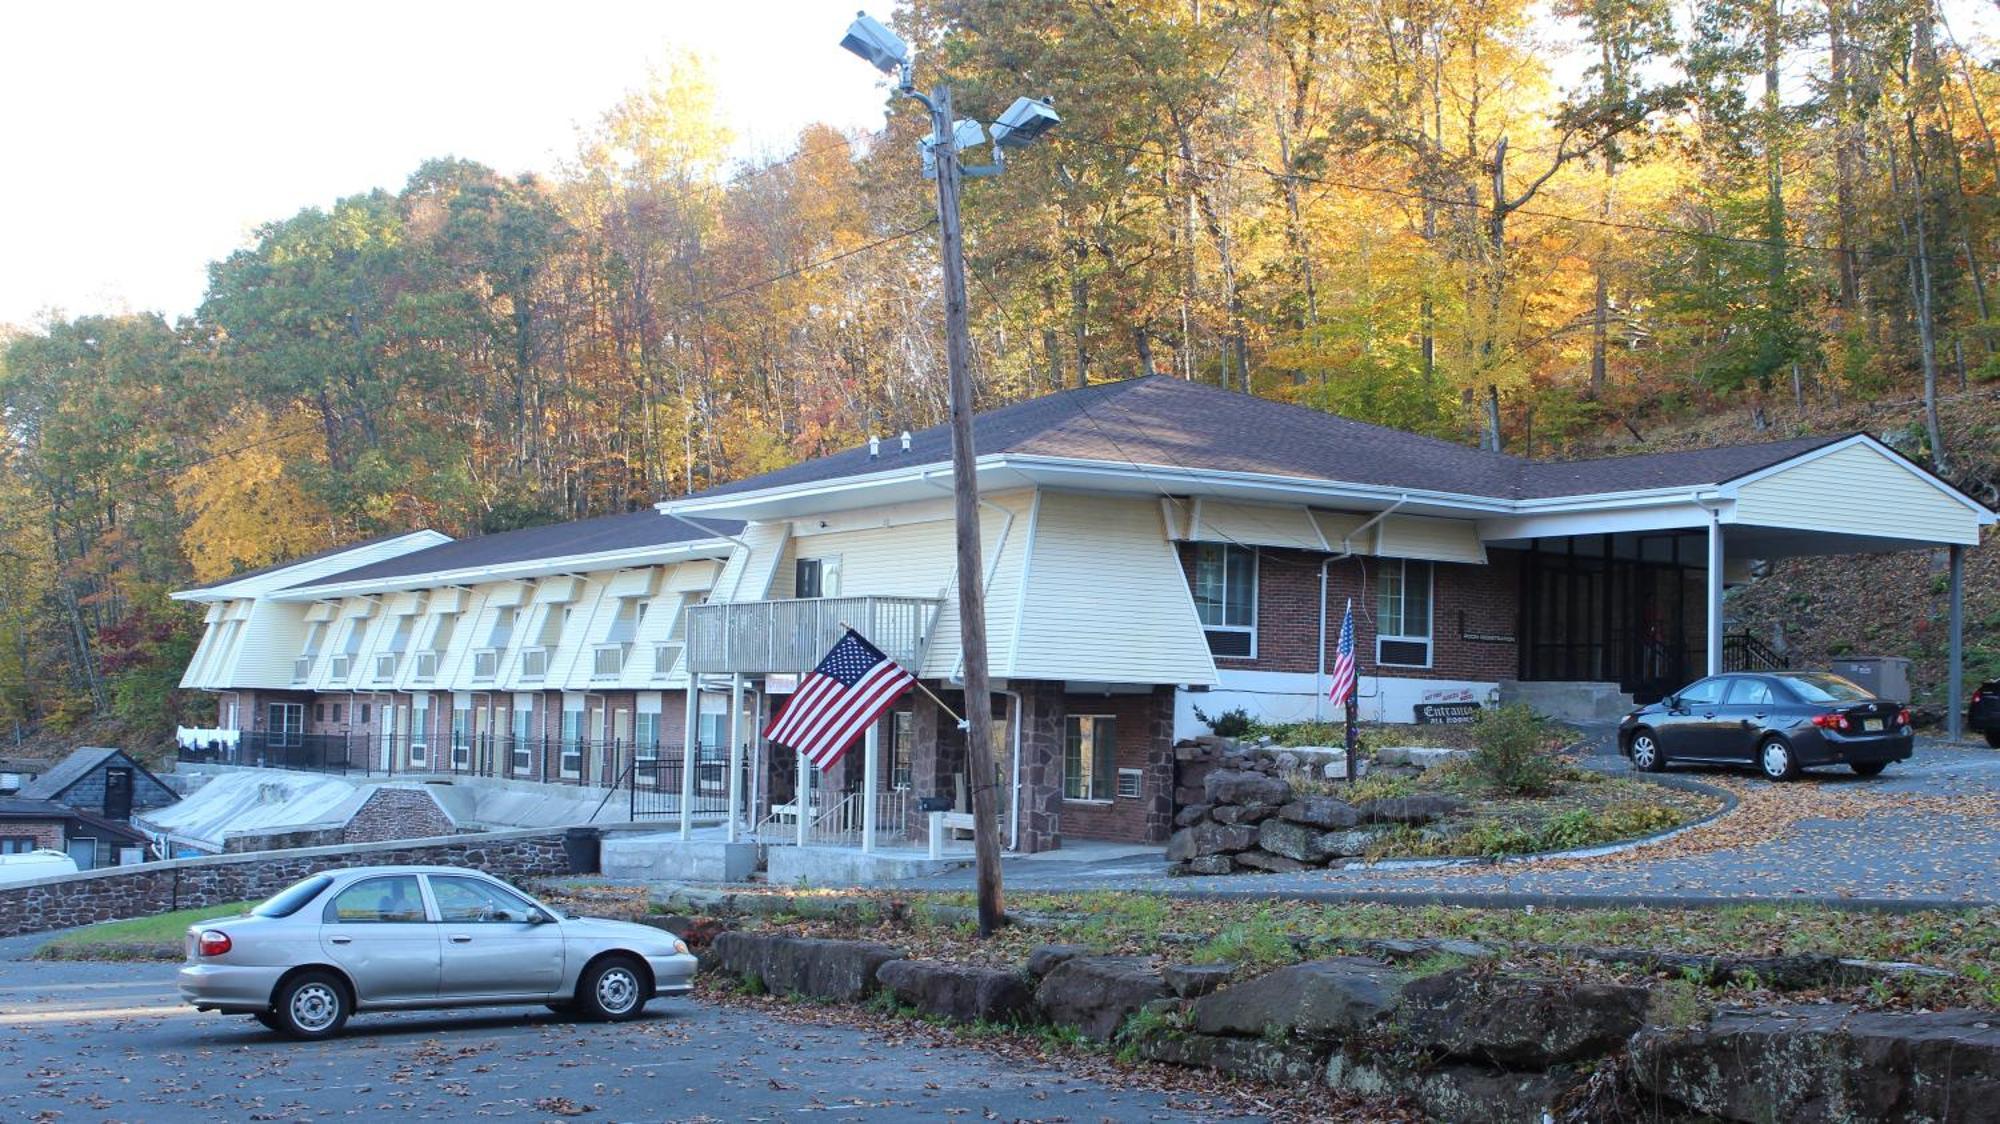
792,636
842,825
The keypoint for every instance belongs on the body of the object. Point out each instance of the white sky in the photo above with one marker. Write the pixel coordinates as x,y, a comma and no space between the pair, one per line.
141,141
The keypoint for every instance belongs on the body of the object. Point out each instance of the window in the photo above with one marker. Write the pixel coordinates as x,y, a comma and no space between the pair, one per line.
1090,753
1824,688
806,574
646,736
288,723
339,713
17,844
302,667
1749,692
503,627
548,637
434,645
342,665
477,900
524,724
1403,613
1225,598
394,898
420,725
714,736
319,712
399,642
1708,692
902,738
607,661
289,900
367,713
572,742
461,736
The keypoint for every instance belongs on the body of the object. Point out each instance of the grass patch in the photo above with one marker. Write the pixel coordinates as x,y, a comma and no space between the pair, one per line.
160,937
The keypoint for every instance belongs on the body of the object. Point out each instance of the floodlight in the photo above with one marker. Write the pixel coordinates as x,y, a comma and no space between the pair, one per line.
1025,121
967,134
877,44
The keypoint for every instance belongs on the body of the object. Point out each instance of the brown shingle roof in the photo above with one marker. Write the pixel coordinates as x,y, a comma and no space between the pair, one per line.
315,556
1182,426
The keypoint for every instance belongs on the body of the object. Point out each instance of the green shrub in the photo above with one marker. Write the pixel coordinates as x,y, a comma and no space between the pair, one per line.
1229,724
1511,751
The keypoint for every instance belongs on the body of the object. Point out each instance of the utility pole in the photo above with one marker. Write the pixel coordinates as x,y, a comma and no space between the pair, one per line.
1022,122
965,494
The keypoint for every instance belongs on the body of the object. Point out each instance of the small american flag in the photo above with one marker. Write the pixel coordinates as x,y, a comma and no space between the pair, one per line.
850,688
1343,664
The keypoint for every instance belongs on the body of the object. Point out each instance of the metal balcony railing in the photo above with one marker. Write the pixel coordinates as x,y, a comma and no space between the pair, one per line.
791,637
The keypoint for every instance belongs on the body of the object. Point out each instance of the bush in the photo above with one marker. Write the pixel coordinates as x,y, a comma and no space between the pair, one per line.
1229,724
1511,751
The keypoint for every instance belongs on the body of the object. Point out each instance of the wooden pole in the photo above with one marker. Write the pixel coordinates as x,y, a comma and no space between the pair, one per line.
965,490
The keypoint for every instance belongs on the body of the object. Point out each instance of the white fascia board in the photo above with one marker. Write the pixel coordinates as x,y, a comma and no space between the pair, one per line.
1985,514
260,584
518,571
1683,513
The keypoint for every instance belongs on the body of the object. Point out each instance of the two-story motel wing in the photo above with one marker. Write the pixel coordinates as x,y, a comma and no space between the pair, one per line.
1150,547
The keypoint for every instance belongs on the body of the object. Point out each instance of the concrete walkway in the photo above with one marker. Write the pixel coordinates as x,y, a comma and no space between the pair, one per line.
1926,833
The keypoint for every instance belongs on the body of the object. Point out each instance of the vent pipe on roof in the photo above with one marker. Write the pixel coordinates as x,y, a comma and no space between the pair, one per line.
874,446
906,440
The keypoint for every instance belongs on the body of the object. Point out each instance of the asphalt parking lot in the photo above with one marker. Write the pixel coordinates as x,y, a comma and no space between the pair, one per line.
111,1042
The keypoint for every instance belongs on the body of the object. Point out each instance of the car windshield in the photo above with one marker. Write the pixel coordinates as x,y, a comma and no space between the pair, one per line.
1825,689
289,900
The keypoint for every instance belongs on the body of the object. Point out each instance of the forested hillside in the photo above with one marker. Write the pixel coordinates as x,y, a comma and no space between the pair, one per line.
1546,228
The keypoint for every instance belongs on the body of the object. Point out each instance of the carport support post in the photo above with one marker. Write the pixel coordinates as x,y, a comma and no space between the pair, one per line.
871,777
1714,593
1955,719
735,750
690,753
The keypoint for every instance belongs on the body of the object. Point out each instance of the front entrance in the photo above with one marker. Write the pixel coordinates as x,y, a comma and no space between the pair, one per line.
1624,609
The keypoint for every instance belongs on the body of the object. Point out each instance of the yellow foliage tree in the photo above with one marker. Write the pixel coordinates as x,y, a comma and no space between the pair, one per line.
248,508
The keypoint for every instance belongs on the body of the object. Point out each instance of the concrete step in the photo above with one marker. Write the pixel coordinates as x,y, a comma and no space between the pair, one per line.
1569,701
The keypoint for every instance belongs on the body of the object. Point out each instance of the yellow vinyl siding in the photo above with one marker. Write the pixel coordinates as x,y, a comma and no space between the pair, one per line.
1003,563
265,649
1857,490
1441,540
1106,597
1256,524
748,574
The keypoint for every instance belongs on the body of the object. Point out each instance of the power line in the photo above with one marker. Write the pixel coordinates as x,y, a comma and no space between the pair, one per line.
697,306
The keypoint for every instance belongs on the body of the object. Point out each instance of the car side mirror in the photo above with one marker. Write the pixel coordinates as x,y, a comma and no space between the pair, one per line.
1673,702
538,917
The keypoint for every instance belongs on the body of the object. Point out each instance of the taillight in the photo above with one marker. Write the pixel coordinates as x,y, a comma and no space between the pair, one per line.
1903,717
1976,696
1830,721
213,942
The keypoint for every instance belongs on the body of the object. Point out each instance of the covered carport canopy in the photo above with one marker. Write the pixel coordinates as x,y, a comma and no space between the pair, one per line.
1853,495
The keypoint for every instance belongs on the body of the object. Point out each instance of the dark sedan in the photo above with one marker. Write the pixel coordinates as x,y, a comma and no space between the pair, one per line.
1983,713
1781,722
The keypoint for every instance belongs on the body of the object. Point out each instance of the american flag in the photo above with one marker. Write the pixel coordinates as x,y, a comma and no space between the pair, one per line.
1343,664
850,688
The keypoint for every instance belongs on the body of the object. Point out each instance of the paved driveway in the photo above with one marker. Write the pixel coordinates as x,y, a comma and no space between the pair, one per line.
106,1042
1927,832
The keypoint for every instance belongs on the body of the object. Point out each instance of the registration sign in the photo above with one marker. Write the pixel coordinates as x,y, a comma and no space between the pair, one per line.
1872,724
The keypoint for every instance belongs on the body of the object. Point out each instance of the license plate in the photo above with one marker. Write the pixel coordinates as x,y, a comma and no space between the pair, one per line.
1872,725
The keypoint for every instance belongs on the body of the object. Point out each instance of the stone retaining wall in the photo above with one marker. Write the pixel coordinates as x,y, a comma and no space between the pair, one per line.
152,888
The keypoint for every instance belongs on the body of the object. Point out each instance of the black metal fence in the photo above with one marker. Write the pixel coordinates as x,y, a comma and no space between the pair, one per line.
1744,652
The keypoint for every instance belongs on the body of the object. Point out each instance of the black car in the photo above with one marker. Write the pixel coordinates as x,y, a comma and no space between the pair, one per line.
1983,713
1780,721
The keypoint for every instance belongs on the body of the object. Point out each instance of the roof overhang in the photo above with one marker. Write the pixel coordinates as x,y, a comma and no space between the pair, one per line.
278,577
517,571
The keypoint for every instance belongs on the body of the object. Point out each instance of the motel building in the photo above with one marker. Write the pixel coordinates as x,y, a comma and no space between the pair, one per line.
1152,548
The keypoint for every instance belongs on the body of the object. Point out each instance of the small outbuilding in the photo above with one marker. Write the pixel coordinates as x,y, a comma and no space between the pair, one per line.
90,839
101,781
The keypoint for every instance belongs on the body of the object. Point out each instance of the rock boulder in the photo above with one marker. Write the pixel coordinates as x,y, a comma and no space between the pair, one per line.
1320,999
1518,1022
1209,839
819,969
1294,841
1096,994
1241,786
1323,812
959,991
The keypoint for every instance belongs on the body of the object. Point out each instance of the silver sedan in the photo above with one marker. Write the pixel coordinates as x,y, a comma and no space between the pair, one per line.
399,937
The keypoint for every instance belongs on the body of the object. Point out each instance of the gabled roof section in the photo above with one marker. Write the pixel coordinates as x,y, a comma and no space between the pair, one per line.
19,808
305,567
465,558
78,765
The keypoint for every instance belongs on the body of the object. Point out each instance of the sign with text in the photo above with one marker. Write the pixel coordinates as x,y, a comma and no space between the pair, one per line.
1447,713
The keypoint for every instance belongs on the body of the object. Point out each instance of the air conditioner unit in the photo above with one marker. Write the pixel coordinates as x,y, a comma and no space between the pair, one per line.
608,661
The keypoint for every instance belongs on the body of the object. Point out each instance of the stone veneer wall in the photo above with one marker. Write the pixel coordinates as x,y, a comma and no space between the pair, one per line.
152,888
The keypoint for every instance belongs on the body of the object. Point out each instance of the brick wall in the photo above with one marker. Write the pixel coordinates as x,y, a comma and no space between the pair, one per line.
46,834
1288,614
397,813
141,891
1145,742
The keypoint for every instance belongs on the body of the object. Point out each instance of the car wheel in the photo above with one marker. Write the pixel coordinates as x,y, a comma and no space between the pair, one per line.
312,1005
1646,755
269,1019
1776,759
613,989
1869,768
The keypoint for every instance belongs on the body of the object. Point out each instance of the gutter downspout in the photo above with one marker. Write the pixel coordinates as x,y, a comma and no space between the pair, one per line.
1014,799
1346,552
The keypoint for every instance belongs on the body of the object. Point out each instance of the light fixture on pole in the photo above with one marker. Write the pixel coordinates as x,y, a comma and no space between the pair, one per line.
1023,122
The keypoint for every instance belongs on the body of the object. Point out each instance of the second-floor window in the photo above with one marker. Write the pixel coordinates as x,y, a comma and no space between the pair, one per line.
1225,597
816,577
